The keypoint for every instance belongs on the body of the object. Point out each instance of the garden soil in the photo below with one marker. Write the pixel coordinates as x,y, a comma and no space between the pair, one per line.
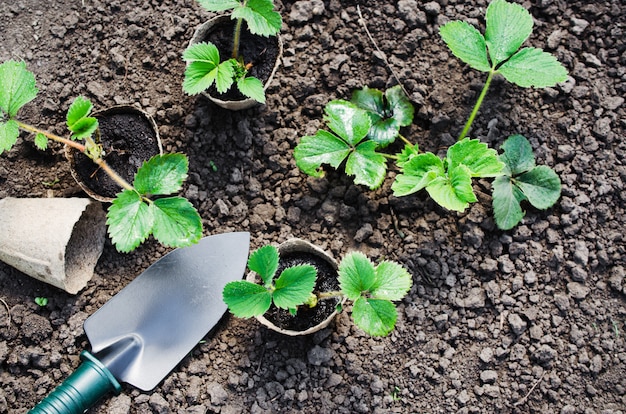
531,320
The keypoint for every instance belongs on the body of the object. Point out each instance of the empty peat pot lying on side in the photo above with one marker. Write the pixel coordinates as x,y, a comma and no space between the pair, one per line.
55,240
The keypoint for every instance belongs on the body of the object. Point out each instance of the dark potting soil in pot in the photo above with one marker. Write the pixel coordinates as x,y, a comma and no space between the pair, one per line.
261,52
326,282
128,140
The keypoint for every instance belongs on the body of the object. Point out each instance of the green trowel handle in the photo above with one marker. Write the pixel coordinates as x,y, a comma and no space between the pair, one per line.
81,390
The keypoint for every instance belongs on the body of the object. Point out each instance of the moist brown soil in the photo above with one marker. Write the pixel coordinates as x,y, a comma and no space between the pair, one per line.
531,320
128,140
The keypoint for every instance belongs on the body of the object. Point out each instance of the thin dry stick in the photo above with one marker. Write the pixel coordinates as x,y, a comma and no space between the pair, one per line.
531,390
382,54
8,312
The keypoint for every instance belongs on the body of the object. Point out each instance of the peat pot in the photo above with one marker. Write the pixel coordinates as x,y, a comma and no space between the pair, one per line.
264,52
55,240
308,320
129,137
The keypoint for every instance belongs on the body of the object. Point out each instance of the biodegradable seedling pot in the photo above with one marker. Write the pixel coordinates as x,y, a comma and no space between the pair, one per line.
264,52
129,137
55,240
308,320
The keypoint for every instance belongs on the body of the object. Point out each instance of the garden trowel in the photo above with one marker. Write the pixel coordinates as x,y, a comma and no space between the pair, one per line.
145,330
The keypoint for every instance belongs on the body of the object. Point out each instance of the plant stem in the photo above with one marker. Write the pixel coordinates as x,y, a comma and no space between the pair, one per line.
236,38
388,156
406,141
68,142
113,174
330,295
82,148
479,102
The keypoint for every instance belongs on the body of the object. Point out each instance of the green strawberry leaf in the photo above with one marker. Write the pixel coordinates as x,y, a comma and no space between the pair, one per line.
392,281
418,172
384,132
322,148
129,220
506,199
508,25
481,160
264,262
366,165
176,222
294,286
408,152
260,17
387,112
225,75
533,67
252,88
517,155
356,275
9,131
370,100
377,317
454,191
17,87
219,5
204,69
466,43
246,299
162,174
541,185
348,121
84,127
79,109
41,141
399,105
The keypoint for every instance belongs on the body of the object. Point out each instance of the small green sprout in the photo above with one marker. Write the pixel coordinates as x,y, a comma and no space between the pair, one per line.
41,301
213,166
395,394
371,288
51,183
204,63
133,215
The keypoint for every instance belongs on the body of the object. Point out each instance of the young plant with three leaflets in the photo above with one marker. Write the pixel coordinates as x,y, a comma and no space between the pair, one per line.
133,215
371,121
204,64
371,288
508,26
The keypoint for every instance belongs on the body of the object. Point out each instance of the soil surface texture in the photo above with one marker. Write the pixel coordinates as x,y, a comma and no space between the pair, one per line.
531,320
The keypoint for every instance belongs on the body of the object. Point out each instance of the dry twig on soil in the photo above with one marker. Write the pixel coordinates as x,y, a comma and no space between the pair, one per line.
383,56
530,391
8,312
